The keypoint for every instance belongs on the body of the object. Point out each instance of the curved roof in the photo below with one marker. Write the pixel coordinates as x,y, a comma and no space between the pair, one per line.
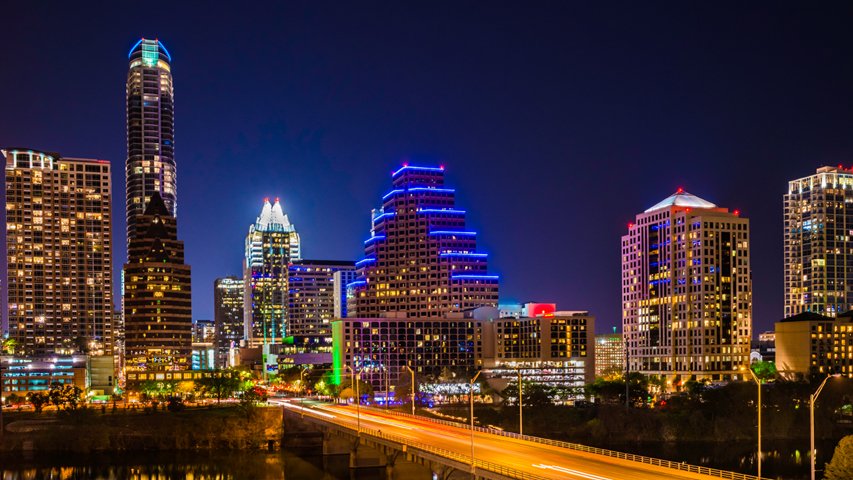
161,48
682,199
272,218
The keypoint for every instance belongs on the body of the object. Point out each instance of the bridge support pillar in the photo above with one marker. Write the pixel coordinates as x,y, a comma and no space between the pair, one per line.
334,444
364,456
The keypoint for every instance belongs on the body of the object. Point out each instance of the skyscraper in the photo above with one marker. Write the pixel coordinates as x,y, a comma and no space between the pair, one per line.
150,165
687,290
420,260
59,253
311,305
341,279
228,316
818,229
157,298
271,245
609,355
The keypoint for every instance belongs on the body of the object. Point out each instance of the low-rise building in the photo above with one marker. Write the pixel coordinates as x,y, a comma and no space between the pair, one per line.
812,344
204,356
22,376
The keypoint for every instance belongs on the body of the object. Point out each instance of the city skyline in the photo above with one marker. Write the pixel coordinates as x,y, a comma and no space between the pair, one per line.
331,200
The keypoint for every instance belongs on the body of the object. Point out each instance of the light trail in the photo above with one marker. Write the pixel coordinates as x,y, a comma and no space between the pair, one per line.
589,476
367,416
296,407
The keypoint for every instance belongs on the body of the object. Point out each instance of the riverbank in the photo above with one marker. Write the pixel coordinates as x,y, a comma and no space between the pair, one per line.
85,431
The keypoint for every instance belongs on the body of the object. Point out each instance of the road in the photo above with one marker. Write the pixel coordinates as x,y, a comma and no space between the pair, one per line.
544,460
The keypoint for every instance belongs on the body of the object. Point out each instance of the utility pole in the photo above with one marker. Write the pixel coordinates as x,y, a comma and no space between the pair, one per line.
520,412
413,387
471,398
627,372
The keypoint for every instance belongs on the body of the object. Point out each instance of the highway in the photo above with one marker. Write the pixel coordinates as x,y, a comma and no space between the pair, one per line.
530,457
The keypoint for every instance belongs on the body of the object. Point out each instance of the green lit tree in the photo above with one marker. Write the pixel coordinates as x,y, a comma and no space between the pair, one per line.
765,371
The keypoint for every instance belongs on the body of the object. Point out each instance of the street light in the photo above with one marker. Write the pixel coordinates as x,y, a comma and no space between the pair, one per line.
759,416
471,397
413,387
302,387
520,418
811,415
357,400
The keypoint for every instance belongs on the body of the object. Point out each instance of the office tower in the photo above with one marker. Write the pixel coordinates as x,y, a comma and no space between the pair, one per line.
687,290
228,316
818,228
341,279
271,245
59,253
420,259
157,294
809,345
204,331
150,165
609,355
311,304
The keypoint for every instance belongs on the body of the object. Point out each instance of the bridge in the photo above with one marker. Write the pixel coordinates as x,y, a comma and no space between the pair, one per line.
399,441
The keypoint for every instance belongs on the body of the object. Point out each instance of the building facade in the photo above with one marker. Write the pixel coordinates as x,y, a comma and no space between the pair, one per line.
818,226
204,331
271,245
228,316
341,279
687,290
609,355
158,297
59,253
150,165
420,260
810,344
311,295
21,376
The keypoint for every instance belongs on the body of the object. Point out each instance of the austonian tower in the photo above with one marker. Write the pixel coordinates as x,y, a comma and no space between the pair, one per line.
150,165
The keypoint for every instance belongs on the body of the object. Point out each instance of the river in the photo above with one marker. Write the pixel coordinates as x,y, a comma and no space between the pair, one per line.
782,461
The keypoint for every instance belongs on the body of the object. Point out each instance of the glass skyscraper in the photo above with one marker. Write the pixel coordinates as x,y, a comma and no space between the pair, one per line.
150,165
420,260
271,245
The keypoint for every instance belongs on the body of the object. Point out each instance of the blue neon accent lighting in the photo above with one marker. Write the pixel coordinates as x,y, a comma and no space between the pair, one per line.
392,192
389,214
474,277
419,189
365,261
478,255
377,237
429,169
357,282
447,232
439,210
134,48
164,49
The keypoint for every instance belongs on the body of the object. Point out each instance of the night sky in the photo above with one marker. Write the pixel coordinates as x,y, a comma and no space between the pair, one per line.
557,122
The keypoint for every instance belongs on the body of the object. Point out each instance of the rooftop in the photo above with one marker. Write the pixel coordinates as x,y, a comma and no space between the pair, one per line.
682,199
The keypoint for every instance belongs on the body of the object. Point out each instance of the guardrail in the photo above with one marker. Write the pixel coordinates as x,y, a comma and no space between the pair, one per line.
491,467
685,467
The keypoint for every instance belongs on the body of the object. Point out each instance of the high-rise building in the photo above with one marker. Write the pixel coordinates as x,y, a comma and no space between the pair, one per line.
158,298
818,247
271,245
687,290
59,253
341,279
204,331
150,165
312,288
228,316
420,259
609,355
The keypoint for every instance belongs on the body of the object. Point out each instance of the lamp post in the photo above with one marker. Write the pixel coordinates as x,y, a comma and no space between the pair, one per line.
302,387
811,417
520,417
755,377
357,400
413,387
471,398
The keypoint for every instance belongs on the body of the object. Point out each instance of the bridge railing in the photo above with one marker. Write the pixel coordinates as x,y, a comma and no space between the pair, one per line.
492,467
582,448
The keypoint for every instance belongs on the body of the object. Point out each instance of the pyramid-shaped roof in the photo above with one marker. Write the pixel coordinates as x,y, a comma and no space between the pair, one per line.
156,206
272,218
682,199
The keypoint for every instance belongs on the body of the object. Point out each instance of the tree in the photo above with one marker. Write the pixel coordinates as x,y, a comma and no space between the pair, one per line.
347,389
219,383
13,399
65,396
252,396
39,400
8,346
765,371
841,466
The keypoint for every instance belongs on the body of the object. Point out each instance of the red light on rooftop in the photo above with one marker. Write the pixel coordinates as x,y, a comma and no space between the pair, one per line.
405,164
630,225
276,199
680,190
737,212
688,210
441,167
267,199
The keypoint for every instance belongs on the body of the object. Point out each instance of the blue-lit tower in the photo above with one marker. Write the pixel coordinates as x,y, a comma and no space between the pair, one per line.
150,165
420,260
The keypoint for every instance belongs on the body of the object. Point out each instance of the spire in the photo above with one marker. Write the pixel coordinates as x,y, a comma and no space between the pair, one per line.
272,218
156,206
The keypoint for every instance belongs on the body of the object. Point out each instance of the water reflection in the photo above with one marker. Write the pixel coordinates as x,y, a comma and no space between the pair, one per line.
292,465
